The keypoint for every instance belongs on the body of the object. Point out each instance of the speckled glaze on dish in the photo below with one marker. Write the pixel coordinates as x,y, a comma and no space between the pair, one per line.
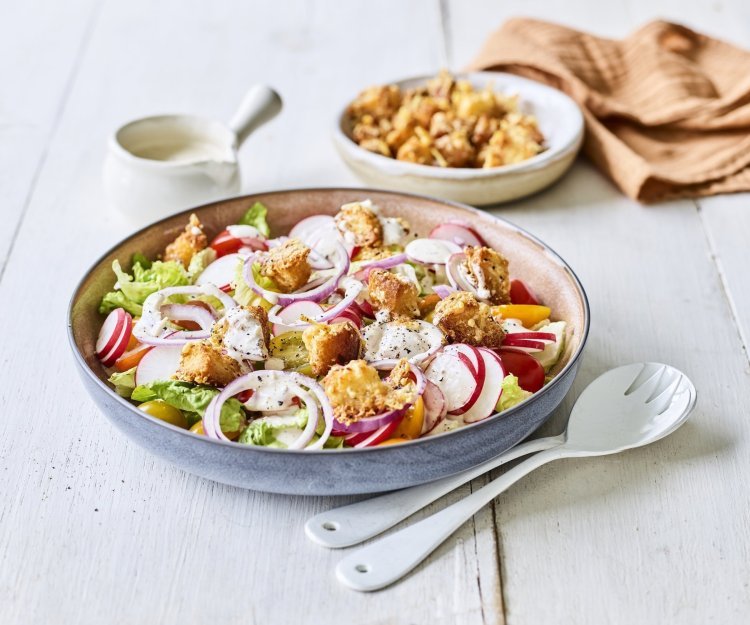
354,471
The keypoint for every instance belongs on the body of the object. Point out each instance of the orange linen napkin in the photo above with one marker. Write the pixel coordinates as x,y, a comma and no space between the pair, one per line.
667,109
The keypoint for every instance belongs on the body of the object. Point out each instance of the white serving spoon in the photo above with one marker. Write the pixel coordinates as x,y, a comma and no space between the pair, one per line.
627,407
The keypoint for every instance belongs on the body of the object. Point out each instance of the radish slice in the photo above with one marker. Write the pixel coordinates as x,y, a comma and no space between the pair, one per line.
110,332
469,351
160,363
379,435
431,251
469,227
523,344
456,233
490,395
313,228
221,272
534,336
435,408
291,314
459,383
121,344
349,315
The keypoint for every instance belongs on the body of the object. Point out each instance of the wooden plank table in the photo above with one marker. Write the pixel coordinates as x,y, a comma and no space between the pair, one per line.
94,530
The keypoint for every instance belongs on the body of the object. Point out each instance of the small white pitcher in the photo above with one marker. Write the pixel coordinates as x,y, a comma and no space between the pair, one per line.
158,165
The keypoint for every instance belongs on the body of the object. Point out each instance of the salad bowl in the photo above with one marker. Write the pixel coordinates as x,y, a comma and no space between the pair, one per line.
347,471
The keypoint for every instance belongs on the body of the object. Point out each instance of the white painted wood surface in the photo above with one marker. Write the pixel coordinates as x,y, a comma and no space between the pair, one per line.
93,530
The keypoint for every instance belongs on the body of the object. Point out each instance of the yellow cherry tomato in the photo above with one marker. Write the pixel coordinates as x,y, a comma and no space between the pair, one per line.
197,428
394,441
162,410
411,425
528,314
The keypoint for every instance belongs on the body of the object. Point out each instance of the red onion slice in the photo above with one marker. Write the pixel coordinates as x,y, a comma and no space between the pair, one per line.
443,290
368,424
455,276
151,327
365,267
316,294
296,383
353,289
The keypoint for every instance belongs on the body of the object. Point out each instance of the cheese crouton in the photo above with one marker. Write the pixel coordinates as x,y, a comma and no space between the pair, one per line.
334,344
360,225
465,320
356,391
287,265
488,271
393,293
190,241
243,334
202,363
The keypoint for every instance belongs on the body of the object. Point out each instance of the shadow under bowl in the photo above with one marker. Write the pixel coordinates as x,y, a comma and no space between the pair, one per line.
335,472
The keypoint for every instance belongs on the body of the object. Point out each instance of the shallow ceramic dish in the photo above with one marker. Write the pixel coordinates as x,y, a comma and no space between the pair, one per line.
559,119
335,472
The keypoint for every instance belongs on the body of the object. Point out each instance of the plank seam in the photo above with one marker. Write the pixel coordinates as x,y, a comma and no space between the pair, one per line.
67,89
723,280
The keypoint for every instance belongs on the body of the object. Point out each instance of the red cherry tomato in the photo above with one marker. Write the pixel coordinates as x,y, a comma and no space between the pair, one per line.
225,243
529,372
521,294
244,396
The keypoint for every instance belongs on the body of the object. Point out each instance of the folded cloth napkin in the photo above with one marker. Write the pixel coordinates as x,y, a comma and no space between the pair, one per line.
667,109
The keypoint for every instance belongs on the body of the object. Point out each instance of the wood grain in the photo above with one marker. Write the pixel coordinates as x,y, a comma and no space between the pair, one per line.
41,44
93,530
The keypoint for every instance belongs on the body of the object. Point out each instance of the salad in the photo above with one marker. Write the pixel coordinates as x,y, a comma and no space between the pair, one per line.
350,331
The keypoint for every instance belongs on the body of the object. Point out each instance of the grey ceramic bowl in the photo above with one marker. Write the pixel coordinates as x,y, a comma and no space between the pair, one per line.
349,471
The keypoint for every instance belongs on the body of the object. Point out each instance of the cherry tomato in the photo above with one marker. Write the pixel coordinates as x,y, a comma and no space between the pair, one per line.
411,425
394,441
529,372
243,396
132,357
521,294
528,314
197,428
162,410
225,243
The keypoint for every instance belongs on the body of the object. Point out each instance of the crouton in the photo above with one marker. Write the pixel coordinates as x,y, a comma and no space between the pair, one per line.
190,241
360,225
488,271
243,334
427,303
202,363
393,293
334,344
287,265
463,319
356,391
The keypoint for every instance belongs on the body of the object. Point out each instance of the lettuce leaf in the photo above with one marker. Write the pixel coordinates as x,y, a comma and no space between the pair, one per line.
192,399
132,290
199,262
256,217
279,431
512,393
123,381
244,295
